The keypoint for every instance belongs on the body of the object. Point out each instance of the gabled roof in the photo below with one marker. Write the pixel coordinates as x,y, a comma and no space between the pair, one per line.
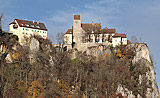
30,24
69,31
123,35
108,31
12,23
90,27
128,42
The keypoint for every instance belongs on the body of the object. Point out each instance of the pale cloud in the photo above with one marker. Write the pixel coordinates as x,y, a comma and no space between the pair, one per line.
99,11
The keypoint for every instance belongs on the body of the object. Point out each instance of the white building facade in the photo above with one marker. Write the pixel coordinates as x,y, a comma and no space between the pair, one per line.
24,28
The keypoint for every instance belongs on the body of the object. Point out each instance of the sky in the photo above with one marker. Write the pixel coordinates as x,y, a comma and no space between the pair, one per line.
140,18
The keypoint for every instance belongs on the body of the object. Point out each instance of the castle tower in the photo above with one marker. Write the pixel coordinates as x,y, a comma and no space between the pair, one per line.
77,30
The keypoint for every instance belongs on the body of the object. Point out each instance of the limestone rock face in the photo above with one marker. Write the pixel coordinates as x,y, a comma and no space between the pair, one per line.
142,55
34,44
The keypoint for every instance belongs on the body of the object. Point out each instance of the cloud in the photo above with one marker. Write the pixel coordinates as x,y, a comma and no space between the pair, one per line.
99,11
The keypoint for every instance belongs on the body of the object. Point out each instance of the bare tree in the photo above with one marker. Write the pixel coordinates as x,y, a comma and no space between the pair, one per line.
60,39
134,39
1,23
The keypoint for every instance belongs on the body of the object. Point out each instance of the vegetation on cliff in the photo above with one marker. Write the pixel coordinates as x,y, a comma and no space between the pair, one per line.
50,73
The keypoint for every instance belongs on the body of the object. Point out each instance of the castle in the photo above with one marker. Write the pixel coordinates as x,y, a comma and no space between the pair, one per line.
83,35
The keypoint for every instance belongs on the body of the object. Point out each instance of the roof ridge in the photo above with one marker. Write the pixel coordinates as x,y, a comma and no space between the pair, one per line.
90,23
27,20
31,24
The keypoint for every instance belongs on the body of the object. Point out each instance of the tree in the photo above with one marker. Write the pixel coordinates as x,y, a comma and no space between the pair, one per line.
1,23
36,90
7,42
134,39
60,39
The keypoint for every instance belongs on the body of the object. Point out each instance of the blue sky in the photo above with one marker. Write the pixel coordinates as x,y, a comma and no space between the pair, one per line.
136,17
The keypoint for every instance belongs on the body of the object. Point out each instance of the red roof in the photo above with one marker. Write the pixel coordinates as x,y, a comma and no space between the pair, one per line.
69,31
108,31
89,27
128,42
123,35
30,24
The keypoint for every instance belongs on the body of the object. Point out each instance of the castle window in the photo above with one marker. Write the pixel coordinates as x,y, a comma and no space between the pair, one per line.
22,32
97,40
23,28
103,40
27,29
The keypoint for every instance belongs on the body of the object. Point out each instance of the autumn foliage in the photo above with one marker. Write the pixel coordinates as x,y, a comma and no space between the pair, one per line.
36,90
47,73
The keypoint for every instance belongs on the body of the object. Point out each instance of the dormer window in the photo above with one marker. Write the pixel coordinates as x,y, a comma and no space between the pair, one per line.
32,26
38,26
92,31
22,24
70,31
27,25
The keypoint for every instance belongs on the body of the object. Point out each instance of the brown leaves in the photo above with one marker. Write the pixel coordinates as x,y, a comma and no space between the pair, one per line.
36,90
62,90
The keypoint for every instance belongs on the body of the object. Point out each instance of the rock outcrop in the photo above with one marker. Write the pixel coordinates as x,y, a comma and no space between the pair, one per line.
142,55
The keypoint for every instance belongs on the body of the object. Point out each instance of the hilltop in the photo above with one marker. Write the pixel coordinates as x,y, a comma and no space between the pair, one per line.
39,70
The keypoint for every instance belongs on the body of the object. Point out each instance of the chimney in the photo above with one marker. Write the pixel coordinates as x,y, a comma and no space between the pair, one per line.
33,20
77,17
38,22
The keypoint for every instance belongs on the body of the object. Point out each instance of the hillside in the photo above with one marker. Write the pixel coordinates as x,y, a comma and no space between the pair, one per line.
39,70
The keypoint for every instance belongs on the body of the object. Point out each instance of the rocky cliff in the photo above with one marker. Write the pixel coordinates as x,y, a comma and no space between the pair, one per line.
143,56
98,72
